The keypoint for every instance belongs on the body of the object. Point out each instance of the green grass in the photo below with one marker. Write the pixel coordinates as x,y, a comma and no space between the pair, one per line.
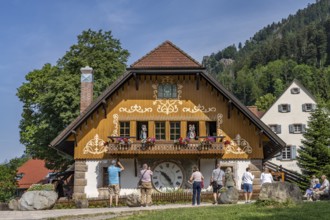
306,210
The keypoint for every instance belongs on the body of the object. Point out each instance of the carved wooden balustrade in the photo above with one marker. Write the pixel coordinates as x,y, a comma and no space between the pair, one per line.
166,147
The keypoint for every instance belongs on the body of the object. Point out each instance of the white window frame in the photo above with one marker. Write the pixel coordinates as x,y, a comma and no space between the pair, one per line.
284,108
276,128
295,90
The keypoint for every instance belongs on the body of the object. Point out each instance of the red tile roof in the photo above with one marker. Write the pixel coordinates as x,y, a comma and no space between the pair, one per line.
255,111
166,55
34,171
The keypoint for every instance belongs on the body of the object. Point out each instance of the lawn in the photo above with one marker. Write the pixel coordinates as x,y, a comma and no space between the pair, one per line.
306,210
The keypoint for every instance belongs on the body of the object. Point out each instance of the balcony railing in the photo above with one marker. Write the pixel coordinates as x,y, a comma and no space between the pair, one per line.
163,147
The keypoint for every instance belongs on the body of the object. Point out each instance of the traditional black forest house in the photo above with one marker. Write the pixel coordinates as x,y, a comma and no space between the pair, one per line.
172,97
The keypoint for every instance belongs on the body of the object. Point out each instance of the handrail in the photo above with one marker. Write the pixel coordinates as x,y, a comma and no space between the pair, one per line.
290,175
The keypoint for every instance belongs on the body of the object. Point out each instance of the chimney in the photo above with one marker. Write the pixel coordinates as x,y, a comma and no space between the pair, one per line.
86,92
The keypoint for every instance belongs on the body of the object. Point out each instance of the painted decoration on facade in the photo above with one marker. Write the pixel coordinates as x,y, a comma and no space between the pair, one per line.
95,146
135,108
237,146
167,95
199,108
116,125
219,122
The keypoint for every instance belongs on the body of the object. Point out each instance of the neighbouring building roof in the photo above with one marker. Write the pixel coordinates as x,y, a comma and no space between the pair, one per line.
255,111
32,172
165,59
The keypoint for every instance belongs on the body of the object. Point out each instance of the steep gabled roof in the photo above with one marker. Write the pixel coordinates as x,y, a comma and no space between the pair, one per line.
166,55
32,171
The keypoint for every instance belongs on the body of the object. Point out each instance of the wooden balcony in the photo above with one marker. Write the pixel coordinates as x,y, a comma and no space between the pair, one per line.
166,148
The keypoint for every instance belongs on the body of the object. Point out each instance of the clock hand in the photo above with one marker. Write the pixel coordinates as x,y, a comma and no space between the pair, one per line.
167,177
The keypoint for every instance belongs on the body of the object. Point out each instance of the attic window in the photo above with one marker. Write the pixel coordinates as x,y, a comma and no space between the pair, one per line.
295,90
308,107
19,176
167,91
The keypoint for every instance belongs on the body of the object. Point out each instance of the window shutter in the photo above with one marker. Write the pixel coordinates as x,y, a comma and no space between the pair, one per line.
289,108
303,128
293,152
279,156
290,128
303,107
313,107
278,129
280,109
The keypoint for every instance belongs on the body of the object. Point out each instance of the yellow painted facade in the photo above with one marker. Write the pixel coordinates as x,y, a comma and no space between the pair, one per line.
201,106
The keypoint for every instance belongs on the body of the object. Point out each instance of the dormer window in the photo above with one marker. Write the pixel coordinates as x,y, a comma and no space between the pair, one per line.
167,91
284,108
308,107
295,90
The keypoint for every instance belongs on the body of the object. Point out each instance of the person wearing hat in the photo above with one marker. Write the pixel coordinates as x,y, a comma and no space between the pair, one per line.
113,172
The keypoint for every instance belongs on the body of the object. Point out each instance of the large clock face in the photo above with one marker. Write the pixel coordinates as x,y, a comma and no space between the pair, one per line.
167,177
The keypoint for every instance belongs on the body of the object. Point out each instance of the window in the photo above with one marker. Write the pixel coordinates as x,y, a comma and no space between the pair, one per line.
160,130
297,128
174,130
167,90
192,130
275,128
211,128
295,90
142,130
288,153
124,129
308,107
284,108
105,177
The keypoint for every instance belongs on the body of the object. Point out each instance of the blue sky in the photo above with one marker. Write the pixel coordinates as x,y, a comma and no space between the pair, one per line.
36,32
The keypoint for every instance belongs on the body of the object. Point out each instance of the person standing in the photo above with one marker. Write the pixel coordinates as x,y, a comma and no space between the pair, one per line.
229,179
216,181
146,187
266,177
196,178
113,172
247,184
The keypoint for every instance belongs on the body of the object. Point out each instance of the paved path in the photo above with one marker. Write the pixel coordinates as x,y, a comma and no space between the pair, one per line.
96,212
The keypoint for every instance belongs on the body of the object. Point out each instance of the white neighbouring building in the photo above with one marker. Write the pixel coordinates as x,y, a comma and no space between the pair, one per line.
288,118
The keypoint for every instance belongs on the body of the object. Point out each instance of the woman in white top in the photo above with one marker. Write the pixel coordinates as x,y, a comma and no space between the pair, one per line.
266,177
196,178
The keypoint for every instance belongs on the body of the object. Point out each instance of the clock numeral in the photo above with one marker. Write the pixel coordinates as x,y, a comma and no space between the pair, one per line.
157,183
155,177
177,171
179,177
177,183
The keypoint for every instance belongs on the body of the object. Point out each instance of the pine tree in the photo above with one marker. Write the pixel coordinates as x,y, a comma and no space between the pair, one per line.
314,155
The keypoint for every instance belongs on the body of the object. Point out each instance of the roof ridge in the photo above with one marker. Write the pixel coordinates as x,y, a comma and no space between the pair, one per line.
161,45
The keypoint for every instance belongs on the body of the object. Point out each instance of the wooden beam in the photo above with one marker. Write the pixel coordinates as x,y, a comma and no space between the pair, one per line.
136,78
75,137
104,106
229,108
197,81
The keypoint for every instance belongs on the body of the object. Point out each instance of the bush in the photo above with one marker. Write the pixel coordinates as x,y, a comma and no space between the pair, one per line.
41,187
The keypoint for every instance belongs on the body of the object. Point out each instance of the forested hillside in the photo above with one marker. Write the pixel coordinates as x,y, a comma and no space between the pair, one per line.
297,47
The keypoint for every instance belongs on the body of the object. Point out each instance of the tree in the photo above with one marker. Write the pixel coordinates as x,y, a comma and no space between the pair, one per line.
314,155
51,95
8,183
264,102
